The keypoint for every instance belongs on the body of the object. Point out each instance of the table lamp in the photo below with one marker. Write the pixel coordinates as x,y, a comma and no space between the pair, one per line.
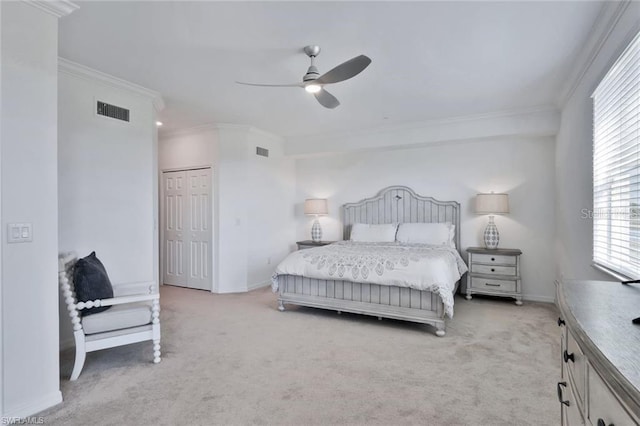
316,207
492,204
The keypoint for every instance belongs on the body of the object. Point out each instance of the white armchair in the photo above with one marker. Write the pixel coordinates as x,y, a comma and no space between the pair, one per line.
134,315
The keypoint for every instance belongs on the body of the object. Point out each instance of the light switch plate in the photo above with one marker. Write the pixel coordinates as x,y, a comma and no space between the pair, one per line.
19,233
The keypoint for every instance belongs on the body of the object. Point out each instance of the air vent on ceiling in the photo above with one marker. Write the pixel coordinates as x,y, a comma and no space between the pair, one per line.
112,111
262,151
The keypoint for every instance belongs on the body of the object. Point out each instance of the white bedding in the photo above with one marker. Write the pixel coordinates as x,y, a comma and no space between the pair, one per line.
417,266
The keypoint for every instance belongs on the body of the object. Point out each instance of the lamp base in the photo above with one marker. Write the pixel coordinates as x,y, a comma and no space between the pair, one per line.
316,231
491,235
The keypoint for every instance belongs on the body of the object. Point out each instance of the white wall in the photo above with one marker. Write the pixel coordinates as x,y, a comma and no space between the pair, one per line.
249,228
232,193
574,241
28,122
522,167
270,205
107,179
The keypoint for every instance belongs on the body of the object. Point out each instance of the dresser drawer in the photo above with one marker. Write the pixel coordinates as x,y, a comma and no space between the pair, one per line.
494,259
604,405
492,285
571,414
493,270
576,364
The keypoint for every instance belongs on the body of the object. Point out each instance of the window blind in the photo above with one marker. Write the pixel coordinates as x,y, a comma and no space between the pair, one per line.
616,166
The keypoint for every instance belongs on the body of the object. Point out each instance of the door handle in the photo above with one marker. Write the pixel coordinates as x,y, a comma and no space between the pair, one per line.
567,356
560,393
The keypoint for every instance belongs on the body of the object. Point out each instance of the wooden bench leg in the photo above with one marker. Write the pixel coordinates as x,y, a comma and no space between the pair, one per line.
156,351
81,355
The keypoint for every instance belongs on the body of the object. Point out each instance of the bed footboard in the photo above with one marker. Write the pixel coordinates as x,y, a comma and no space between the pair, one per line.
400,303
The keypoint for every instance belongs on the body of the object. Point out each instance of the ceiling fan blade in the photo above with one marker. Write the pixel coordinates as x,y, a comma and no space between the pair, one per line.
271,85
345,70
326,99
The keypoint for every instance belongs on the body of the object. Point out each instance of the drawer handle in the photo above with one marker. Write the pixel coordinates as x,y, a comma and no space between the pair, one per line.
493,270
602,423
560,384
492,285
560,322
567,356
493,259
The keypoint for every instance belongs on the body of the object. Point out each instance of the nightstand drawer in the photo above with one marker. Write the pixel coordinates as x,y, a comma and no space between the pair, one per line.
497,259
492,285
493,270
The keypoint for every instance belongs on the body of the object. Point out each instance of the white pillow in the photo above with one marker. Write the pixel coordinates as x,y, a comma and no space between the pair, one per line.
363,232
427,233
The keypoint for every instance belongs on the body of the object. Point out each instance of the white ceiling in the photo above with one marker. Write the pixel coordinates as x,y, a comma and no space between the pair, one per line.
430,59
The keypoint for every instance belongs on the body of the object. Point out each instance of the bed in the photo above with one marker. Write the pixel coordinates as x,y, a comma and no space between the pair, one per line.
404,300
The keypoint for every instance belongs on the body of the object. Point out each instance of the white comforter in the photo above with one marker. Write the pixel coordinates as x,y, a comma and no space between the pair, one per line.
418,266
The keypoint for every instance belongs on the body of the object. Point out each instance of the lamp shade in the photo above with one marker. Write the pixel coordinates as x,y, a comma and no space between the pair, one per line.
315,206
492,203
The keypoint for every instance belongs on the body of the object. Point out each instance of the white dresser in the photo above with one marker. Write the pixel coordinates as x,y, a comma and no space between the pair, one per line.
600,353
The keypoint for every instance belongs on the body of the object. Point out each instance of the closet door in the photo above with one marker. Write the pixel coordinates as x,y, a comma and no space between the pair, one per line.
199,192
187,257
174,259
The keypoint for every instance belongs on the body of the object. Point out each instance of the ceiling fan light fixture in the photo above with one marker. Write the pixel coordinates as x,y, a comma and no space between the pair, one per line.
312,88
314,83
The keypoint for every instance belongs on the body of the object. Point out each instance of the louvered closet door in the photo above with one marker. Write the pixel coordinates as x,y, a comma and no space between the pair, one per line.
187,218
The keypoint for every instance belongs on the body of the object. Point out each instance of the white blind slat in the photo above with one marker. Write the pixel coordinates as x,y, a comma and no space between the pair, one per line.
616,165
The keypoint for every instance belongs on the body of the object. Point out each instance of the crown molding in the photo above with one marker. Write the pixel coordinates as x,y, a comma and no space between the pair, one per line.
218,126
201,128
72,68
606,21
265,133
540,121
57,8
415,125
194,130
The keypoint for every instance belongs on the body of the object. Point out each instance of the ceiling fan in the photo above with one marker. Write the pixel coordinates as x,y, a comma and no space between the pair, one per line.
314,83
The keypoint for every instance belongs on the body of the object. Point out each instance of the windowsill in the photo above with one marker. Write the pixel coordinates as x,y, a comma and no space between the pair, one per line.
618,276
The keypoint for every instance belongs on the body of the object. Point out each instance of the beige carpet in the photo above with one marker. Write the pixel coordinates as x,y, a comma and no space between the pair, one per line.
234,359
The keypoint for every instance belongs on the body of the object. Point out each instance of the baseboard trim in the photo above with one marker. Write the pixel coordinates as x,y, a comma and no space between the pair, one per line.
534,298
34,407
258,285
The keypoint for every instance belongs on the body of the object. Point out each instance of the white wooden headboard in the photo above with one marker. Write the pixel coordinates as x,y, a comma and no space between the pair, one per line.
400,204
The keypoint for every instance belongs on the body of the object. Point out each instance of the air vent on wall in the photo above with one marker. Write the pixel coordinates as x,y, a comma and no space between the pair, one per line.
262,151
113,111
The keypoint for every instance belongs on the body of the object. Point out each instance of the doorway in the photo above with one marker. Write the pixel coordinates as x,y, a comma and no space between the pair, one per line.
186,218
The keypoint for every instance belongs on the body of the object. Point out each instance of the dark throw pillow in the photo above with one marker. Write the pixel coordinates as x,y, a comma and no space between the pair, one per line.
91,282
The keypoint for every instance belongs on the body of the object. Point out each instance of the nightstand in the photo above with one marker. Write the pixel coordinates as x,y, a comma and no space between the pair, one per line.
310,244
495,272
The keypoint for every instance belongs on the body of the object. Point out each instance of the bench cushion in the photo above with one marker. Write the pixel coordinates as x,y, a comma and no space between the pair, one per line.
118,317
